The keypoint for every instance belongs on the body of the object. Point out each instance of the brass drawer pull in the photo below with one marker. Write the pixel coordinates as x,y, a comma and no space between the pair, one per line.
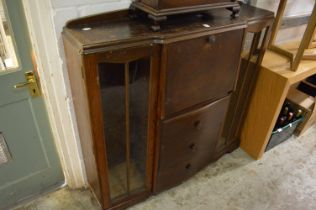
197,124
188,166
193,147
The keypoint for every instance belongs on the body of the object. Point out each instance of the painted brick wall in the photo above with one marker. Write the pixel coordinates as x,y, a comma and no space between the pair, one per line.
65,10
293,8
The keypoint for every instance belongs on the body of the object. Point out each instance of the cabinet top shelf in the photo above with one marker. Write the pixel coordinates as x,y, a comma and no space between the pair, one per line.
115,29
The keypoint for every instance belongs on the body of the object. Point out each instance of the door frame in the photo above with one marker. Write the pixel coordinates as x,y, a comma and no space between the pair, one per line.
56,90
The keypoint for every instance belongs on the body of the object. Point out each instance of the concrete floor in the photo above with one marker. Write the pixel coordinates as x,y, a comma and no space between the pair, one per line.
285,179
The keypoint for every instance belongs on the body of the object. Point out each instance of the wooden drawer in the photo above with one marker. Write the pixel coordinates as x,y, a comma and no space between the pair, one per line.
188,143
201,69
167,4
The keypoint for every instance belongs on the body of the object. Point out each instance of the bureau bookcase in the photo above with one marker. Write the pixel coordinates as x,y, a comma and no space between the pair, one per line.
151,106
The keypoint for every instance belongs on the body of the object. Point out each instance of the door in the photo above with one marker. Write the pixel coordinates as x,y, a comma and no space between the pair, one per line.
29,163
122,91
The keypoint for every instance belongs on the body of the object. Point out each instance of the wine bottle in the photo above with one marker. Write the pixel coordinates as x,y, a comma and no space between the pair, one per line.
290,117
281,122
299,114
286,110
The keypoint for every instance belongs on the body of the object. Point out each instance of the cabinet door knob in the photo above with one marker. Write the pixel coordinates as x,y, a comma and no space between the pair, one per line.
212,39
197,124
188,166
193,147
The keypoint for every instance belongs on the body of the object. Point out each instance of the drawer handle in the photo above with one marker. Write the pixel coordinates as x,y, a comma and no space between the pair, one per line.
197,124
193,147
212,39
188,166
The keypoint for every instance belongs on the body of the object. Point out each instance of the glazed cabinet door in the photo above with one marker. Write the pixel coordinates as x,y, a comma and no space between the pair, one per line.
121,87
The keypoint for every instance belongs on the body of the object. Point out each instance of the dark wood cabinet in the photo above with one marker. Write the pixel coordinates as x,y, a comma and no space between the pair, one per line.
151,107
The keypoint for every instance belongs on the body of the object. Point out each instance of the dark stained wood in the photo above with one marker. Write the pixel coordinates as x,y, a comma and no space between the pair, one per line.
198,69
188,143
127,127
152,119
80,100
97,125
160,109
249,70
124,32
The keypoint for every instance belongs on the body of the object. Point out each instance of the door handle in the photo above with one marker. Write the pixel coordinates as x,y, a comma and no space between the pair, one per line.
22,84
31,83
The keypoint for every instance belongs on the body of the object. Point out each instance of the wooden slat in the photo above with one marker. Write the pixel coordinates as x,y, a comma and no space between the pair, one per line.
312,41
127,128
305,43
282,51
308,35
277,22
237,116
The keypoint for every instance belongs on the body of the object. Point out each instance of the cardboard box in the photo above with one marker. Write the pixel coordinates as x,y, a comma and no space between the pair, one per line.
308,103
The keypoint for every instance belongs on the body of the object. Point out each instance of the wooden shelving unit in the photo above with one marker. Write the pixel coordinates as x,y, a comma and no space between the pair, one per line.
274,81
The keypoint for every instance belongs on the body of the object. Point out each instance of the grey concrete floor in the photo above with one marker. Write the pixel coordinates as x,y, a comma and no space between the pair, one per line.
284,179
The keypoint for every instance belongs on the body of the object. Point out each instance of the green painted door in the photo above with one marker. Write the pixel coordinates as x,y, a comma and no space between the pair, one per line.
29,164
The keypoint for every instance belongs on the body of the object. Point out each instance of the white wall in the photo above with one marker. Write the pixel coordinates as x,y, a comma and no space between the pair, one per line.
293,8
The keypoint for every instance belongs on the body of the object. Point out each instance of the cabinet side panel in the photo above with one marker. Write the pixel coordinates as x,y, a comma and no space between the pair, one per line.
80,100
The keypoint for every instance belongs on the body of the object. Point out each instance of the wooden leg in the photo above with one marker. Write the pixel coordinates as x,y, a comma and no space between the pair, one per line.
309,57
156,22
156,26
235,11
132,12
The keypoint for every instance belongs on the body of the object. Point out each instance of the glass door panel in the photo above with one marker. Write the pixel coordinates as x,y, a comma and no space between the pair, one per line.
124,92
113,102
138,92
8,57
